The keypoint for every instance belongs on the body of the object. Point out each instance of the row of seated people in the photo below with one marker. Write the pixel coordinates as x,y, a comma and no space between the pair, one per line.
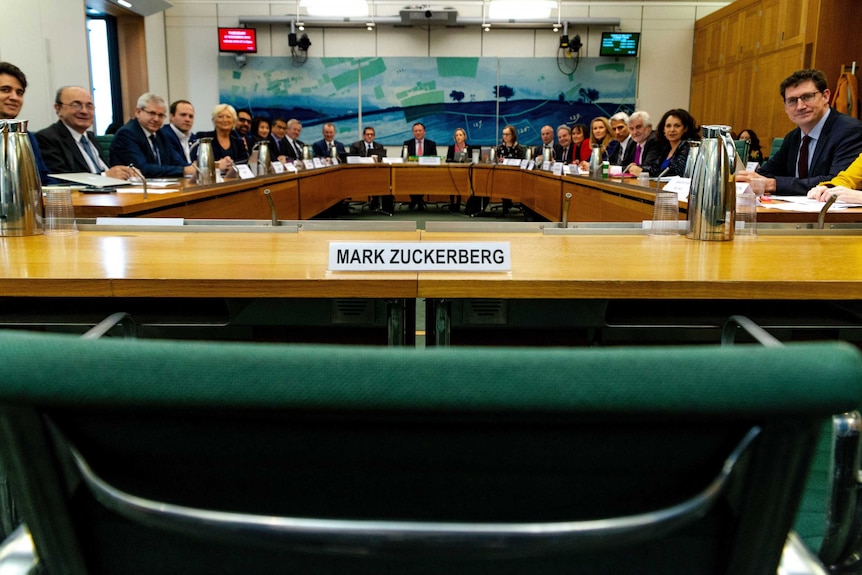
815,158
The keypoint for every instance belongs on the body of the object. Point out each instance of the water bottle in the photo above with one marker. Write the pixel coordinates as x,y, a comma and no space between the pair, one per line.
606,170
404,153
746,213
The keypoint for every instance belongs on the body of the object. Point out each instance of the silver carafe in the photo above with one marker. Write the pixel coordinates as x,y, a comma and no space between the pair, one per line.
264,163
596,161
206,162
712,196
693,153
20,186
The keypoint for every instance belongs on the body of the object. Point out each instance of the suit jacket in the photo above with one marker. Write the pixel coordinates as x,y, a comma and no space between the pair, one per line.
450,154
658,156
538,150
429,147
176,146
650,147
236,151
839,144
319,149
288,150
625,157
360,149
60,150
130,146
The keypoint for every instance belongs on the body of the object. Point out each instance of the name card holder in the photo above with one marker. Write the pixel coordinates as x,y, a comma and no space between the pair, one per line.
429,160
244,172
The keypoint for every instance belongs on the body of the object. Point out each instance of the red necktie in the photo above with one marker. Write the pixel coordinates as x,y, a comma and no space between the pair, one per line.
638,155
802,164
419,148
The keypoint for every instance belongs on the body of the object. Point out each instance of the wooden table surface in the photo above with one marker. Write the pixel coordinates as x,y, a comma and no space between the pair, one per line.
310,193
294,265
643,267
167,264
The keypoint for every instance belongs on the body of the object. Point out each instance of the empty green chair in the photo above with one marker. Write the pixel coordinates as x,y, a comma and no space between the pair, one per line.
141,456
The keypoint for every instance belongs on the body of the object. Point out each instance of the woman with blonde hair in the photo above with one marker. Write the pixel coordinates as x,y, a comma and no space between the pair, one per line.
227,144
600,134
460,152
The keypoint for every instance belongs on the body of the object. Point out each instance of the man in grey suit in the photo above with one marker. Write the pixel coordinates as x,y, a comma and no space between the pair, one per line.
824,142
68,146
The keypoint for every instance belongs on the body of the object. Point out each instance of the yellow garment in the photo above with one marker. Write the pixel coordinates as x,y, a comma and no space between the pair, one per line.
849,178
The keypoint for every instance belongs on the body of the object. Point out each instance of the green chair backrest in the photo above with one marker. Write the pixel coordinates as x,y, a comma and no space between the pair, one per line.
105,143
776,145
487,437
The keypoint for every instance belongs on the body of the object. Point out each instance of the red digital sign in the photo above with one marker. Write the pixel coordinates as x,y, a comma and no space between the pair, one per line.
237,40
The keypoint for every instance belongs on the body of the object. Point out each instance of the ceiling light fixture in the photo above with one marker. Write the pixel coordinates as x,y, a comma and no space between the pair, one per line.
124,3
345,8
520,10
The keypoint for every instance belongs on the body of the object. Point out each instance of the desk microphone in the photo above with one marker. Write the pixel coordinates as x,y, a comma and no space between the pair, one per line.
660,176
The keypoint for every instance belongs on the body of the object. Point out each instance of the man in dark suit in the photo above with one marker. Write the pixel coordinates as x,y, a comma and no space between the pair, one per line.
13,83
323,148
68,146
367,147
291,145
644,141
547,135
824,143
140,143
178,131
419,146
243,128
277,141
624,153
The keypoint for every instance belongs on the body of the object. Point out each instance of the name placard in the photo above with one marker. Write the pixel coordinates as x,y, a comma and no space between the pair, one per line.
429,160
420,256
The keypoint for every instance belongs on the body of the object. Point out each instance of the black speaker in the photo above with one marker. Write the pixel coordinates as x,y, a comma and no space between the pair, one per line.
291,39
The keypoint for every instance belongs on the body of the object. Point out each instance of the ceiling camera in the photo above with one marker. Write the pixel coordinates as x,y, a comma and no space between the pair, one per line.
428,13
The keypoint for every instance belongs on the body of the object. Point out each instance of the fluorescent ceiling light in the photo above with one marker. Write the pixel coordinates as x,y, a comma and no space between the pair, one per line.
520,10
124,3
344,8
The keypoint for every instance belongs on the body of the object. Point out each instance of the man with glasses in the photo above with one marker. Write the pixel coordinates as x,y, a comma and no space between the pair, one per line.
824,142
13,83
243,128
640,129
139,142
68,146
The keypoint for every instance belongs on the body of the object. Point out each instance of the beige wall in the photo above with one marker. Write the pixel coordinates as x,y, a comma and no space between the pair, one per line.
47,39
665,59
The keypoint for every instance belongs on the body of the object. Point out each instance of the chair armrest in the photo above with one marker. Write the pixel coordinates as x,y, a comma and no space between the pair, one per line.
17,553
763,337
797,559
130,328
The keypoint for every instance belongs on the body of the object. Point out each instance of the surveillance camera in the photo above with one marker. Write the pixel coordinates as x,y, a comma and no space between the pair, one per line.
428,13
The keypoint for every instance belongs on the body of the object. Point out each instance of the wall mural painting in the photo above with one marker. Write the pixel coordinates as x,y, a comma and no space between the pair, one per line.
480,95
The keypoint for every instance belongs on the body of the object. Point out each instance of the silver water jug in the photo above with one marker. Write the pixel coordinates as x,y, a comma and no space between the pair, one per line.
528,154
306,152
596,161
693,153
206,162
546,155
20,186
712,196
264,163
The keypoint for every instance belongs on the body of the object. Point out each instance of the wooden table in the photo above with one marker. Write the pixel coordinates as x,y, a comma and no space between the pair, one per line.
213,279
593,283
52,276
309,193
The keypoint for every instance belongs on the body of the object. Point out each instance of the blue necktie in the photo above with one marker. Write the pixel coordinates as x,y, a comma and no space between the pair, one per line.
97,166
155,149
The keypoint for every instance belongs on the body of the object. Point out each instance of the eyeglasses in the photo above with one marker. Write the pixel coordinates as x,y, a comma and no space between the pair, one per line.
78,106
152,114
243,121
806,99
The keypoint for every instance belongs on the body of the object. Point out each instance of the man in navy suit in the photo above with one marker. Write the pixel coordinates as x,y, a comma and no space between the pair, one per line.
68,146
419,146
824,143
140,142
178,132
13,83
323,148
